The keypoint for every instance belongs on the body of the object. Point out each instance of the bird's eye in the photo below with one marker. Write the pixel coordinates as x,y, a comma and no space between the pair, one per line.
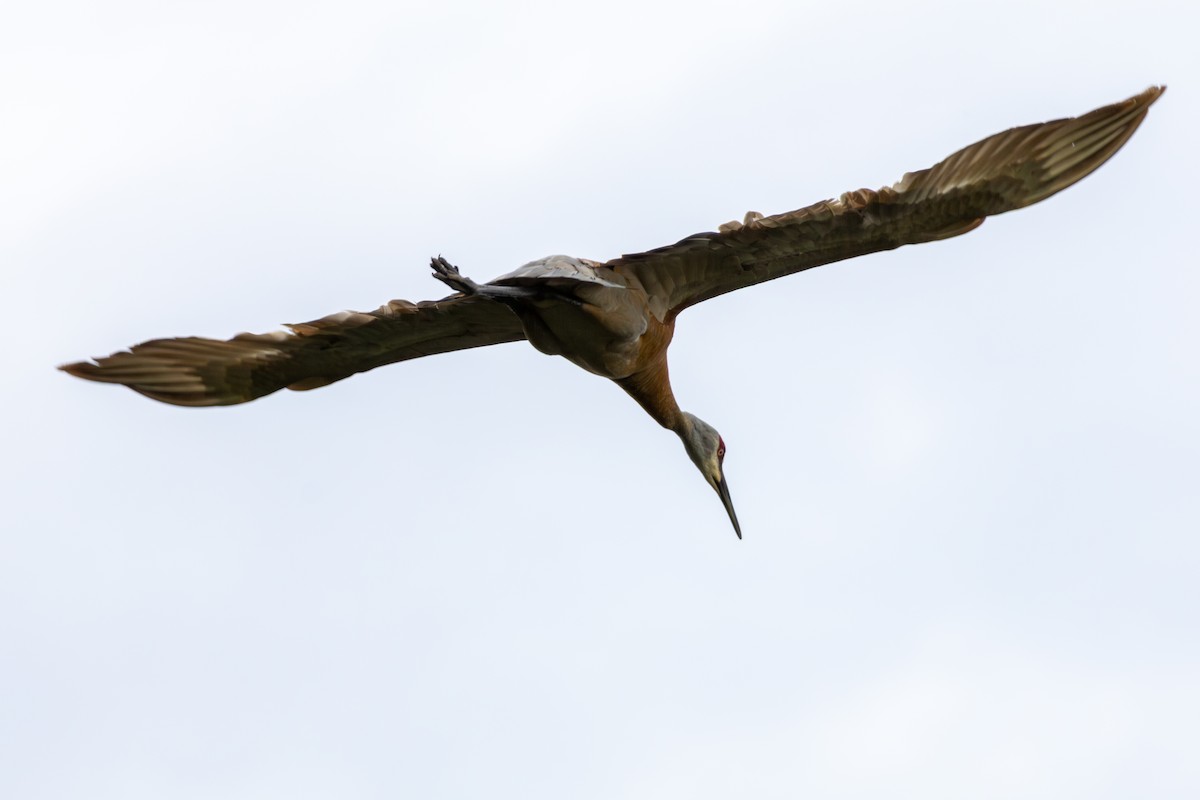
721,448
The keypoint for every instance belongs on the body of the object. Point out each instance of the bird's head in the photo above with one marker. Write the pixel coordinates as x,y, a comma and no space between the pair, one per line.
707,451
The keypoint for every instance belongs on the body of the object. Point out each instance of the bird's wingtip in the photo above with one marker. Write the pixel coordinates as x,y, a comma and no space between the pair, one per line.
1151,94
80,369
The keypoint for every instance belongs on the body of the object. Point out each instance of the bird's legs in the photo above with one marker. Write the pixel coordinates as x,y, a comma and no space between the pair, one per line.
448,274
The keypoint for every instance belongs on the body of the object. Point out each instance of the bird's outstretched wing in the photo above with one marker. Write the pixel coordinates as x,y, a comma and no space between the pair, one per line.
1007,171
208,372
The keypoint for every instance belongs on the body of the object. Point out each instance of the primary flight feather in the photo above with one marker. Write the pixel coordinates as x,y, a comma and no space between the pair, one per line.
616,319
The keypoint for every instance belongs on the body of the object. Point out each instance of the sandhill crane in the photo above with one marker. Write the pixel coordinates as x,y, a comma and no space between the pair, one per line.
616,319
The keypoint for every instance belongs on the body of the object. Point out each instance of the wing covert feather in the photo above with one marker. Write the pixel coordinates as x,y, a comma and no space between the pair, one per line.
195,371
1007,171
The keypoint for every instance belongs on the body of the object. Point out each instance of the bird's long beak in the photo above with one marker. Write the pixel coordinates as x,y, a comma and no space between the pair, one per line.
723,490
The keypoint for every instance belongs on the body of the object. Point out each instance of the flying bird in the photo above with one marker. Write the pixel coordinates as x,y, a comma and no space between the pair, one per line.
616,319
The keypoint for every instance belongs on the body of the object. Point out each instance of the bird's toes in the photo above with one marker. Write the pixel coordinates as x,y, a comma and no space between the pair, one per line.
442,267
448,274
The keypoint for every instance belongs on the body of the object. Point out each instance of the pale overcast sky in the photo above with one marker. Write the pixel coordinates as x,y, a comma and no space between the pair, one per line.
967,471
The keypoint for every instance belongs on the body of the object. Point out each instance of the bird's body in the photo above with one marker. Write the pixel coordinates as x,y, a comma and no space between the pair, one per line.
616,319
596,319
580,310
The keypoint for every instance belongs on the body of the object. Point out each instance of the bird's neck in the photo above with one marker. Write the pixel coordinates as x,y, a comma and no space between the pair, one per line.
651,387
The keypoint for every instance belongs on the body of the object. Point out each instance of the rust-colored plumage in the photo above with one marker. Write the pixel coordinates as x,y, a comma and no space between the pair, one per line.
616,319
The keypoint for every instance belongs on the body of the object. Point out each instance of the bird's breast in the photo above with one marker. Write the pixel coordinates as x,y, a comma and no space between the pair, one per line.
606,330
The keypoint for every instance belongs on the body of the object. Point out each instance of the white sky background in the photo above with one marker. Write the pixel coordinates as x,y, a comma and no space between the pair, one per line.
967,471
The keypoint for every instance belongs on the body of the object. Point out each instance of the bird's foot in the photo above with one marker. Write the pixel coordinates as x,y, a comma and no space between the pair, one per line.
448,274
